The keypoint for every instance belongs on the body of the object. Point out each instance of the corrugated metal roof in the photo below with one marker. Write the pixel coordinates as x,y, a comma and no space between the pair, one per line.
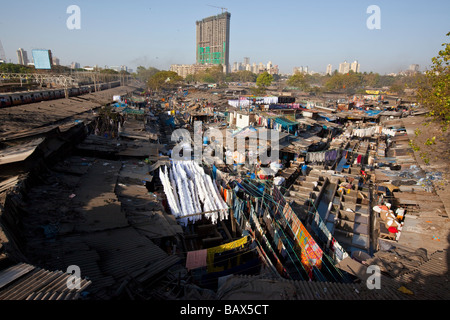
244,287
431,279
26,282
123,251
12,273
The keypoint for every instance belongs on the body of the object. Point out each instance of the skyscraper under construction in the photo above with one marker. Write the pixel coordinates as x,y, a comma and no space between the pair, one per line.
213,40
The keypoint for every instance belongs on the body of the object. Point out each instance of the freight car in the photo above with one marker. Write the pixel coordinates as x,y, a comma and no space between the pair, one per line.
19,98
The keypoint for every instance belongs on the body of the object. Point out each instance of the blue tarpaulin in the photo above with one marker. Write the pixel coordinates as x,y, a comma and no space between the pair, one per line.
341,164
285,123
119,105
372,112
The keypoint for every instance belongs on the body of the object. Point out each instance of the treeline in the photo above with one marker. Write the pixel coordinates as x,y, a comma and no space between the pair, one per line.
351,83
211,75
216,75
16,68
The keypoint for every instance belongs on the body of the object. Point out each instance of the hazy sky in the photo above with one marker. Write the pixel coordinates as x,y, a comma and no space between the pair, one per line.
288,33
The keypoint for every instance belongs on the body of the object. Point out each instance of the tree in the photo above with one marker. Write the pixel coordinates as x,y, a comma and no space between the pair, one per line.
397,87
264,80
372,80
144,74
348,82
164,79
15,68
109,71
190,78
299,80
60,69
243,76
434,92
211,75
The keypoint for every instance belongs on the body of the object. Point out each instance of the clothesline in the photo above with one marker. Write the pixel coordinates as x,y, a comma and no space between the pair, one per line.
238,214
197,214
279,206
368,132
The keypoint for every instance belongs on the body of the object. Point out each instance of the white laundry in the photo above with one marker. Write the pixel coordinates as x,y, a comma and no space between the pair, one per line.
239,103
190,191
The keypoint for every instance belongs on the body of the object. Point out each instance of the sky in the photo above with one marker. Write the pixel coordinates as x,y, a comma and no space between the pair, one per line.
289,33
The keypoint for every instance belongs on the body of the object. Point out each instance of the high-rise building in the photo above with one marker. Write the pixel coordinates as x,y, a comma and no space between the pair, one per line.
274,69
344,67
329,69
297,70
300,69
213,40
414,67
55,61
246,61
75,65
2,53
354,66
254,68
235,67
261,67
22,57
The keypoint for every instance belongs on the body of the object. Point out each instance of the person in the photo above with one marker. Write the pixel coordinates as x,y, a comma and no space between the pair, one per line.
304,169
364,175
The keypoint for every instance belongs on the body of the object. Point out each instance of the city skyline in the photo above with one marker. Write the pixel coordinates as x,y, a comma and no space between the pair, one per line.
161,34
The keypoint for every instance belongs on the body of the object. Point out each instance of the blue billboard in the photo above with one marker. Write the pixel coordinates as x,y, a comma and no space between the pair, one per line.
41,58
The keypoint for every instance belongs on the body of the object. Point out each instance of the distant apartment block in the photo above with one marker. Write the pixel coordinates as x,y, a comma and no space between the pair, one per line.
22,57
414,67
213,40
55,61
354,66
119,68
75,65
255,68
185,69
273,70
345,67
300,69
329,69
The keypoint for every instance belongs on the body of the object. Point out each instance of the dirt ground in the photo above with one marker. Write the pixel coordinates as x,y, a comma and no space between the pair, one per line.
437,153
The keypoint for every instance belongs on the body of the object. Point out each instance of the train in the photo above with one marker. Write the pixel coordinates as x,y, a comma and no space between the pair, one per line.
24,97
